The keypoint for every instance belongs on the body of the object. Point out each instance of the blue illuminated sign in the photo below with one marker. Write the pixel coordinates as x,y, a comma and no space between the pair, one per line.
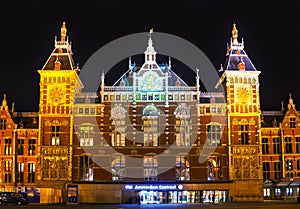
154,187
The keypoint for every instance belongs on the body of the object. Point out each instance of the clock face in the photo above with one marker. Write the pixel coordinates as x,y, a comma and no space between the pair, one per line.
151,82
242,94
56,94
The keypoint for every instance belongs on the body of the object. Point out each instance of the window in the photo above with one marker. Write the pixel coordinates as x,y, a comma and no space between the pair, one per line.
265,146
214,168
7,147
276,145
2,124
31,146
118,168
244,130
288,145
292,122
182,168
150,167
277,172
298,164
150,125
55,133
7,171
86,168
20,172
183,127
20,149
31,172
297,144
289,165
86,135
266,171
214,134
118,134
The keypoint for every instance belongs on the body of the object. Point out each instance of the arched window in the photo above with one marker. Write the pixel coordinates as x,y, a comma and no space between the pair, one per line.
118,134
86,168
86,135
118,168
214,168
150,125
182,168
183,127
150,167
214,134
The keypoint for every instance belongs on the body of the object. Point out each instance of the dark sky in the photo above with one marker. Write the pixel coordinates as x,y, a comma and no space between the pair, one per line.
271,33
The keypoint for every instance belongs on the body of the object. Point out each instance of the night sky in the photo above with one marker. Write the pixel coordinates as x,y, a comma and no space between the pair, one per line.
271,34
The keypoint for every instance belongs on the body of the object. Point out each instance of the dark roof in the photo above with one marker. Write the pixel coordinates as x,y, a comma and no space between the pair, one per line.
271,118
27,120
236,56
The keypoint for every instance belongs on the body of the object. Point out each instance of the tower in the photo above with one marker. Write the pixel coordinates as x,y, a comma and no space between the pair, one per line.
59,82
241,81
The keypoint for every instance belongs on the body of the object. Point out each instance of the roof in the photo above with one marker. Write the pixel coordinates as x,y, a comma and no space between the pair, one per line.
271,118
283,183
26,120
237,56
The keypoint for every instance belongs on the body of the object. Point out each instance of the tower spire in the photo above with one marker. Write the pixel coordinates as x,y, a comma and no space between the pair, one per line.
63,32
234,34
291,104
150,53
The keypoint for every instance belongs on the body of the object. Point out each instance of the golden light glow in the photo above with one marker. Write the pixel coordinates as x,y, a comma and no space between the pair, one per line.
234,33
63,32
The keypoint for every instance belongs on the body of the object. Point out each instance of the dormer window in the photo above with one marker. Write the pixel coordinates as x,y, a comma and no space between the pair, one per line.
241,65
2,123
292,122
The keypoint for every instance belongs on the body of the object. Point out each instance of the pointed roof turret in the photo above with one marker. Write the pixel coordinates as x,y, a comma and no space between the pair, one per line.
236,57
150,53
4,103
291,104
61,57
234,34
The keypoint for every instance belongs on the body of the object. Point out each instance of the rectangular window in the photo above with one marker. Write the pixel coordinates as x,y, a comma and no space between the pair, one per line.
214,134
266,171
55,135
276,145
2,124
277,170
31,173
150,168
20,149
86,168
86,135
298,164
7,171
20,172
31,146
182,168
244,130
292,122
265,146
7,147
150,126
288,145
289,165
297,144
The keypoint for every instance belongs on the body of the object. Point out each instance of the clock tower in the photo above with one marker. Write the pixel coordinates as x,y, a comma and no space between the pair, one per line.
241,83
59,82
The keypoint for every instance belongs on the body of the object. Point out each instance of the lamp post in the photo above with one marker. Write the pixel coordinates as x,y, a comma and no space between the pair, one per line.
15,139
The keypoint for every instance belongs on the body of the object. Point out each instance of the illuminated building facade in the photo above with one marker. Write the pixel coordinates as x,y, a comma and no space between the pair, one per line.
281,153
145,136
